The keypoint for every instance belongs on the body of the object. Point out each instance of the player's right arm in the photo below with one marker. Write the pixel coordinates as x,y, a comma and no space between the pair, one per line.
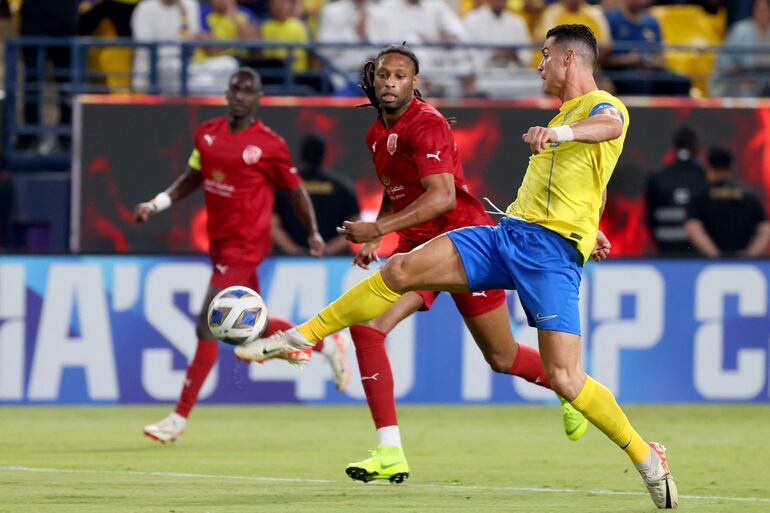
181,188
603,246
605,125
438,199
367,253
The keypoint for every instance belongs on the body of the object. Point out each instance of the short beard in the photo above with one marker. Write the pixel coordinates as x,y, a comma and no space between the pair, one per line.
397,107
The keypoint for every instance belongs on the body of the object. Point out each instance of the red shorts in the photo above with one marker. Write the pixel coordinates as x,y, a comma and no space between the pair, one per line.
469,304
227,275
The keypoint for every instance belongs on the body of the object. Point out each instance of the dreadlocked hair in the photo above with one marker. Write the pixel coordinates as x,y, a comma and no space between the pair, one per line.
367,77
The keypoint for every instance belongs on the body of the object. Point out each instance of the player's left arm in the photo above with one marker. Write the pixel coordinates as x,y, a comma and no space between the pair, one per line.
303,207
603,246
183,186
605,125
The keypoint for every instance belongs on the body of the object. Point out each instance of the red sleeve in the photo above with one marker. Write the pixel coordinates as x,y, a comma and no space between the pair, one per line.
280,169
369,139
432,146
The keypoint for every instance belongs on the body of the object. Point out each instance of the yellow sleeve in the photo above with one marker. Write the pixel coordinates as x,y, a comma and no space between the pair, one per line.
195,160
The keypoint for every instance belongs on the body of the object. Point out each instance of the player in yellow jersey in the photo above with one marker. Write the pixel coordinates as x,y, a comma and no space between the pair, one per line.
538,249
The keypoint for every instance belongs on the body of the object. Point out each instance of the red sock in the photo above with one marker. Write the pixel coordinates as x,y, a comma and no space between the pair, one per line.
280,324
200,366
376,376
529,366
276,324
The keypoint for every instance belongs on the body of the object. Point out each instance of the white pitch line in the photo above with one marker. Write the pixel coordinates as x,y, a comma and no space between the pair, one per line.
329,481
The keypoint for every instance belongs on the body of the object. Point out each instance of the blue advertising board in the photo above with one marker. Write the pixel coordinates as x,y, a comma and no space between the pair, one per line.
120,329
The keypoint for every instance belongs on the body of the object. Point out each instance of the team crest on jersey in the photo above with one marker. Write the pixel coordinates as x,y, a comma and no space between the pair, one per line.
251,154
218,176
392,143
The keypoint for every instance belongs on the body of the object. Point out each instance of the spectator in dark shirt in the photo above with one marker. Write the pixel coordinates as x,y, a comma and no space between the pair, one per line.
727,219
669,193
116,12
51,19
333,199
640,71
6,208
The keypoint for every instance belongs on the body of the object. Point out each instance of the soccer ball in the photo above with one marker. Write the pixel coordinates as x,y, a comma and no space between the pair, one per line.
237,315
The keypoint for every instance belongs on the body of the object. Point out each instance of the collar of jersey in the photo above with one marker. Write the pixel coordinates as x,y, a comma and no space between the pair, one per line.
256,126
570,104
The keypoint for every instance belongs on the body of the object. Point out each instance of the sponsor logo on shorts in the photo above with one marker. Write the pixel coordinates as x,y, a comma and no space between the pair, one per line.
542,318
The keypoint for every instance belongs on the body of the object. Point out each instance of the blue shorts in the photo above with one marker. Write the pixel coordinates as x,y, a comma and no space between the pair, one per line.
541,265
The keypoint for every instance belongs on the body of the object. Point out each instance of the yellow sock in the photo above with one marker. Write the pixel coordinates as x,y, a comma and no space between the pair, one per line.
365,301
599,406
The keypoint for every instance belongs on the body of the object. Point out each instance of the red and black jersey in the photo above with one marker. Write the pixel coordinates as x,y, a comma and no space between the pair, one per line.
240,174
421,144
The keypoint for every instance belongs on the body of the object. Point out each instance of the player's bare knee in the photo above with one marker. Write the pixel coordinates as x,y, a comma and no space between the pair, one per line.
394,273
565,382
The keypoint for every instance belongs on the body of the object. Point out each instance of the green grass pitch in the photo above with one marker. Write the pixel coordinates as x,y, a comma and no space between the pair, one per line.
292,459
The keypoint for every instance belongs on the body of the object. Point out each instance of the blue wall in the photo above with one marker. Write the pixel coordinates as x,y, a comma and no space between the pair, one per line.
120,330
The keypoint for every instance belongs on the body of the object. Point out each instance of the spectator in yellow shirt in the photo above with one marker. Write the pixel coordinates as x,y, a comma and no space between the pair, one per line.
575,11
224,20
285,28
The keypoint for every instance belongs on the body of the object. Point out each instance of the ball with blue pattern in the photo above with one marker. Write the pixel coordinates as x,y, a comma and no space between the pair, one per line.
237,315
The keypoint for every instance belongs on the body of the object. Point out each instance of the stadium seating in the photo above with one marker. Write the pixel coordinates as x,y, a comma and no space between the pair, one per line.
691,25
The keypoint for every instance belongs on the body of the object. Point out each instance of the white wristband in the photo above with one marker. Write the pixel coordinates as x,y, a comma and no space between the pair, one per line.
564,133
161,202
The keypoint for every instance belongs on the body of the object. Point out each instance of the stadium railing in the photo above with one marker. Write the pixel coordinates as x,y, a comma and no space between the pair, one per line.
42,88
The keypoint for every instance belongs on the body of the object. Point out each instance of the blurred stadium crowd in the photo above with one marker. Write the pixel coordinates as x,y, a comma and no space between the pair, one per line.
55,49
665,47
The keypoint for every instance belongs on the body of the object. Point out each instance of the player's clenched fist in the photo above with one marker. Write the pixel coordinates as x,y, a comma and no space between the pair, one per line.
602,248
316,244
143,211
537,137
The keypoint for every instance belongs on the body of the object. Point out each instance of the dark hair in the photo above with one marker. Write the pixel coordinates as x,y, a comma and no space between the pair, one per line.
244,70
367,74
312,149
575,33
367,77
685,138
720,158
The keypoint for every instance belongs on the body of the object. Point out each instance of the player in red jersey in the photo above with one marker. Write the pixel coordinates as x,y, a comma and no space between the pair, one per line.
425,195
239,162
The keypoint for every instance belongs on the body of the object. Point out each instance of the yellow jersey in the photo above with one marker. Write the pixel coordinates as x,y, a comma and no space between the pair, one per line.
562,188
590,15
221,28
291,30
